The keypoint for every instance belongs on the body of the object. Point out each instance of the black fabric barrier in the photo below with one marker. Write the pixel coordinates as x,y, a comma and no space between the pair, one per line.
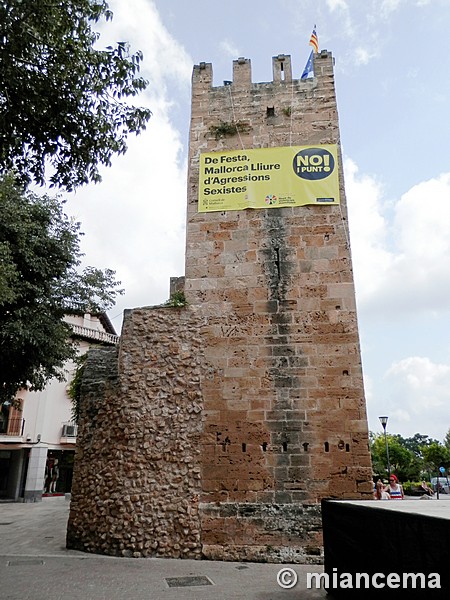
360,539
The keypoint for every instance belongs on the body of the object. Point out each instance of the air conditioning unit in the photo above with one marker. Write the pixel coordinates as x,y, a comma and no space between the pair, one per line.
69,431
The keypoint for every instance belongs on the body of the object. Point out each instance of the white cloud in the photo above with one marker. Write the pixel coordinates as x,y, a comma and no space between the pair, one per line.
337,5
363,56
164,57
134,220
419,390
401,265
420,273
422,218
389,6
368,232
229,49
345,21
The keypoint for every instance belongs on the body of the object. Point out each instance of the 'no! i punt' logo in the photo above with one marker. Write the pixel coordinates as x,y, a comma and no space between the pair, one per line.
313,163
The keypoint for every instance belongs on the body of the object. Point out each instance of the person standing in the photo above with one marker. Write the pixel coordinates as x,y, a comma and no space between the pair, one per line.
48,474
54,477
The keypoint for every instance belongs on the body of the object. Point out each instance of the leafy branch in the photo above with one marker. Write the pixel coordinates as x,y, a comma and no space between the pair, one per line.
176,300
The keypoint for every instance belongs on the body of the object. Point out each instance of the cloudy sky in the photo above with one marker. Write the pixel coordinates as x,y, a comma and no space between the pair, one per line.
393,86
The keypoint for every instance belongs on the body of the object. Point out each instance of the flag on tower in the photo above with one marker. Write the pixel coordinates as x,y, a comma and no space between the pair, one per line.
308,72
314,40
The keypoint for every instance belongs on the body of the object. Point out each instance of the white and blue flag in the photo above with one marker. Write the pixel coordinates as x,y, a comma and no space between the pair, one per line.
308,72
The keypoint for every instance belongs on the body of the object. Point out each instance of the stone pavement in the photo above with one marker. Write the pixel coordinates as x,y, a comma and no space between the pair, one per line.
35,565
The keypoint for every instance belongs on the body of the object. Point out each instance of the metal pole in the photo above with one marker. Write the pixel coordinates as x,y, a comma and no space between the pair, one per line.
383,421
387,454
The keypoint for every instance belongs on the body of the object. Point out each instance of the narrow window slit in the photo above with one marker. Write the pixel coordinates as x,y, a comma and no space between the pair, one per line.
277,262
327,447
244,447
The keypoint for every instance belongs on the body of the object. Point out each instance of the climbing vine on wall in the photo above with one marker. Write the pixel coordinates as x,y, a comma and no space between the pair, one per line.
74,389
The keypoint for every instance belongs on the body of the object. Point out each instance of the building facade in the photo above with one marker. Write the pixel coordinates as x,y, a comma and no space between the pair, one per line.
37,432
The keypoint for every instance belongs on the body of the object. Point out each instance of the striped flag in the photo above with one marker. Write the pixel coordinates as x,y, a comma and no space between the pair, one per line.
314,40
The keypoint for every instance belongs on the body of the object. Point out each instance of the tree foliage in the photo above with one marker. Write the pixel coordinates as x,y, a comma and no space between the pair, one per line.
416,443
39,281
435,456
402,460
63,101
447,440
410,458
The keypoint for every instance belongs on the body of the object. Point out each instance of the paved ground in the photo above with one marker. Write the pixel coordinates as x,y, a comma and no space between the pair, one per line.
35,565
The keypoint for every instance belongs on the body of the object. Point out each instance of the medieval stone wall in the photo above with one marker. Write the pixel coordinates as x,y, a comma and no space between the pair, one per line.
285,419
230,419
137,485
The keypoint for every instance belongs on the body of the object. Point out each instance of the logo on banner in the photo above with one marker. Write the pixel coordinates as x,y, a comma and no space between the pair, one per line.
313,163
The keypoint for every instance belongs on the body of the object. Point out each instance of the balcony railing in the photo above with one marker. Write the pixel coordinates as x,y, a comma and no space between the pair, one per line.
13,427
94,334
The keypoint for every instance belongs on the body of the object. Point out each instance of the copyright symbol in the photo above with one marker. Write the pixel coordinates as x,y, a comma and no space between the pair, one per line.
287,578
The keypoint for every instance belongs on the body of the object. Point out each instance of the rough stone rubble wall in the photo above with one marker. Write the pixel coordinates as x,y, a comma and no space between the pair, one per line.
136,485
141,447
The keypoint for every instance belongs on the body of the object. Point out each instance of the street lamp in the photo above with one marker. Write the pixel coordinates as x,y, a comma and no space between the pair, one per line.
383,421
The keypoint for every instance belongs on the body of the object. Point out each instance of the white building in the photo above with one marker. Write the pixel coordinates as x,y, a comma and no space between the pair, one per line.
37,439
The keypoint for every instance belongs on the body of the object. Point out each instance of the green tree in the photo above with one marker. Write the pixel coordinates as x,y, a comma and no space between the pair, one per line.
402,460
63,101
447,440
39,280
378,453
436,455
416,443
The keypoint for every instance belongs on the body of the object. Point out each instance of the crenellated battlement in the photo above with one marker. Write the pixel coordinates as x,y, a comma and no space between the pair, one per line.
282,72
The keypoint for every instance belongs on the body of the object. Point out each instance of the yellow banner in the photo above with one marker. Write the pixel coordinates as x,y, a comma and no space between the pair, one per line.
268,178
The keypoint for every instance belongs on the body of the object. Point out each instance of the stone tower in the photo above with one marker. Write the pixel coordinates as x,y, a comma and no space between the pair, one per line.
228,420
284,408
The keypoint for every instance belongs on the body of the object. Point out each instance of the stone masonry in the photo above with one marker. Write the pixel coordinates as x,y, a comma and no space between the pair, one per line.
137,483
231,418
285,421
